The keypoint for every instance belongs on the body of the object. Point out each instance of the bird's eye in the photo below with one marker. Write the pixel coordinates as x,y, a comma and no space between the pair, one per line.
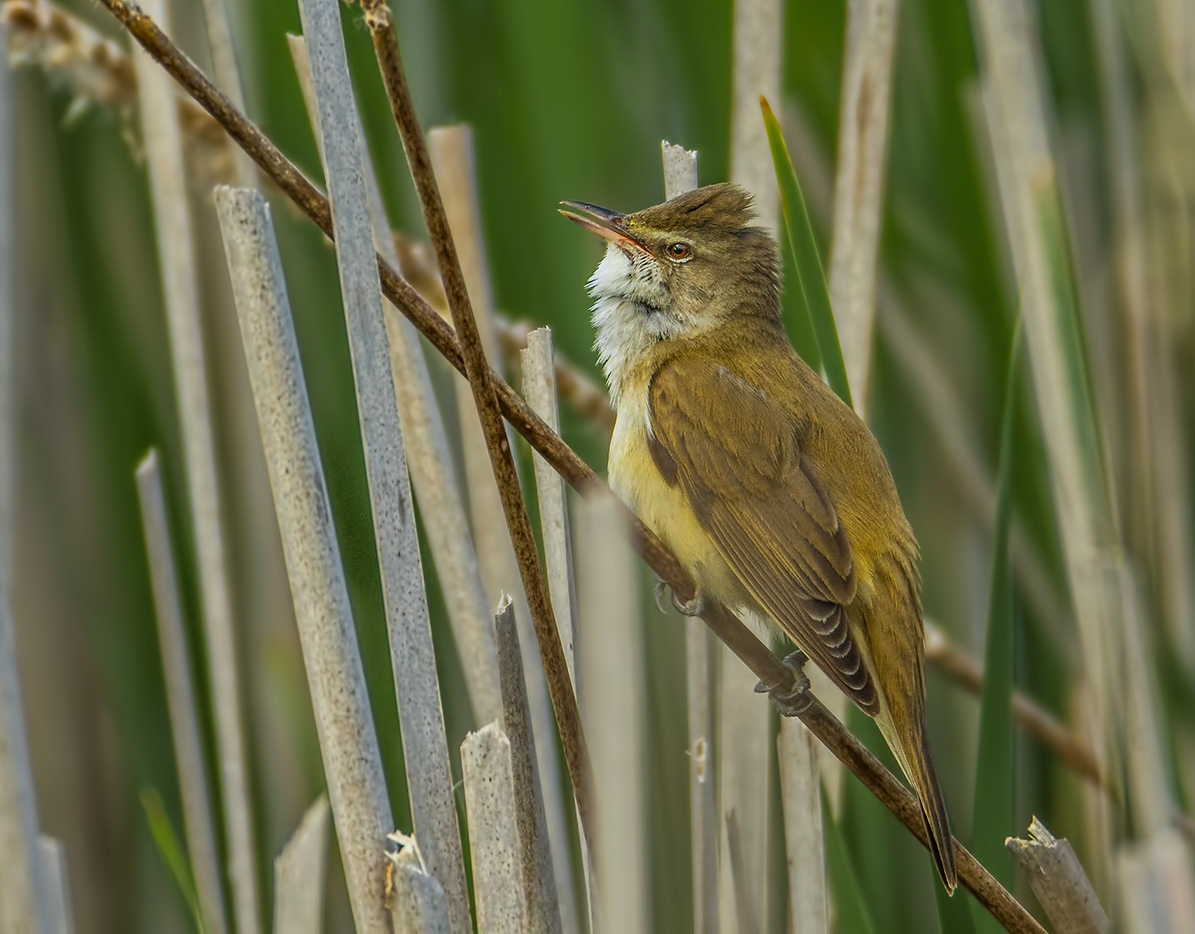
679,250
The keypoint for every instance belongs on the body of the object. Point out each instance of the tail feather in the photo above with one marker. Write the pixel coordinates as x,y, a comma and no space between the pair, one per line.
911,747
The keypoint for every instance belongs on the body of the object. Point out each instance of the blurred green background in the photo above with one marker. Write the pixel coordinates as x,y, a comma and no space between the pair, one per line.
570,101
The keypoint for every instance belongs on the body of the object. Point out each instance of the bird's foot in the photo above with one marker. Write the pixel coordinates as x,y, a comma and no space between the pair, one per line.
692,607
792,700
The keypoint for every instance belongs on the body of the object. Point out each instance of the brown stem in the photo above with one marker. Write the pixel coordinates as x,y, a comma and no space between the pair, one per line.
482,381
990,893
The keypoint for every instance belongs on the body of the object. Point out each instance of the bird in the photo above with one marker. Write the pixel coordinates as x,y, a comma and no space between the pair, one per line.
771,492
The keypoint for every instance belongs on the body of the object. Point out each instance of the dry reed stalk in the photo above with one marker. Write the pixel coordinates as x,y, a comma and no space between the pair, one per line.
421,716
1059,882
24,889
610,656
180,282
745,726
680,175
540,884
482,381
180,696
488,778
299,874
859,183
228,76
348,743
451,152
429,460
749,649
1101,584
1155,885
415,899
537,363
8,310
800,795
60,918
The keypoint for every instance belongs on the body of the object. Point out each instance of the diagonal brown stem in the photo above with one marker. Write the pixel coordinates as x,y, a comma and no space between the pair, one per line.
894,796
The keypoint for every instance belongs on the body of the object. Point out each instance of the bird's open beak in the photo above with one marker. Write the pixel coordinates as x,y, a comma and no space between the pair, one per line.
607,224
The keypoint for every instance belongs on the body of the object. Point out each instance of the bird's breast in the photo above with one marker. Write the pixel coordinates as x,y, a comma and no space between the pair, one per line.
662,505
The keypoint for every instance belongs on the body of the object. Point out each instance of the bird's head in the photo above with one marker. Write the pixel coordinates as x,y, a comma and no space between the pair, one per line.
677,271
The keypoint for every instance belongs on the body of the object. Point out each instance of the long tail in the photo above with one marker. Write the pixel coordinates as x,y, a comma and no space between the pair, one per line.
903,726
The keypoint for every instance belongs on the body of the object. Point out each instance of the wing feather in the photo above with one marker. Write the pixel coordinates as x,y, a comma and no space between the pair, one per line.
761,501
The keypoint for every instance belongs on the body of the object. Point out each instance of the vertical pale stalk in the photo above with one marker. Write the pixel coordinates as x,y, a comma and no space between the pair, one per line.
413,659
800,796
23,890
299,874
429,461
8,301
614,713
488,777
539,388
348,743
540,884
228,77
451,150
60,919
180,281
745,724
680,175
416,899
1119,686
180,696
859,183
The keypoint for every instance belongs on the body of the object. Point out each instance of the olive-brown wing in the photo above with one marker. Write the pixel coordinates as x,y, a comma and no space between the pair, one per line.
736,453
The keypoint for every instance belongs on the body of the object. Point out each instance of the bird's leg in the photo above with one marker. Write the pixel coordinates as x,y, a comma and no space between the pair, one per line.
790,701
692,607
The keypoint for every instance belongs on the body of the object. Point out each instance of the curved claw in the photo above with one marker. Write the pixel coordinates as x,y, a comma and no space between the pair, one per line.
790,701
692,607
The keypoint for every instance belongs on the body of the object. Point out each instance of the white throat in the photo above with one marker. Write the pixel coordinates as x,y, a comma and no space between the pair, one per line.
627,317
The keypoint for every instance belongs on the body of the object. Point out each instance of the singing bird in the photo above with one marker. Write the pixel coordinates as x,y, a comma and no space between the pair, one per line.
769,489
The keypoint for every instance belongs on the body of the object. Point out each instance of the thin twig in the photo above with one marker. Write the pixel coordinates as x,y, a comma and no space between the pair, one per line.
482,380
180,696
750,650
180,283
1059,882
299,875
348,742
413,660
610,659
964,669
488,777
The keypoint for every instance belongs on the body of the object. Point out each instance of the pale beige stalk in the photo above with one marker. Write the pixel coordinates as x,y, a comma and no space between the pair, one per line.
344,722
180,696
614,713
680,175
177,259
299,875
413,662
804,846
859,183
1059,882
743,722
488,778
429,460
